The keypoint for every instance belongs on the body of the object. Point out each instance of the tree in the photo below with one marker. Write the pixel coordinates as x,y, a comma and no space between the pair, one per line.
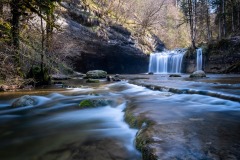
189,8
16,10
148,15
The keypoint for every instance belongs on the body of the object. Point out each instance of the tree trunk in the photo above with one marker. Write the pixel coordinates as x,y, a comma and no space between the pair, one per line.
220,22
15,5
233,25
42,52
49,30
224,18
238,13
208,23
195,21
1,9
191,21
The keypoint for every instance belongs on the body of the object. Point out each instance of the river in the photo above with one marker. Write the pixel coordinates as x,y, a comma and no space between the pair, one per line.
194,126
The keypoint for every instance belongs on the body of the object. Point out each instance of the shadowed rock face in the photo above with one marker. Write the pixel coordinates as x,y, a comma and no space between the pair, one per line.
113,59
218,57
91,44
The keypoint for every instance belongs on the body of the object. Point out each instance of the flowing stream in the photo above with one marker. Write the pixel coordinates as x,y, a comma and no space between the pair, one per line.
57,128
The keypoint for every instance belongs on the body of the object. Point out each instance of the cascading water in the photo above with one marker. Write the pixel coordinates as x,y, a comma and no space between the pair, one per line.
167,61
199,59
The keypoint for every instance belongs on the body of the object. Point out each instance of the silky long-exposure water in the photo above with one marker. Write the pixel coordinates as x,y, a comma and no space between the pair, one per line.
191,126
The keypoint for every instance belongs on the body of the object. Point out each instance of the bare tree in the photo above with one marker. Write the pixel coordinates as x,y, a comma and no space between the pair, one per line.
149,15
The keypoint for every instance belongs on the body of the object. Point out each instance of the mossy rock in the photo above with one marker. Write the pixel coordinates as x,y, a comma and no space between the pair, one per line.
86,104
95,74
90,103
92,81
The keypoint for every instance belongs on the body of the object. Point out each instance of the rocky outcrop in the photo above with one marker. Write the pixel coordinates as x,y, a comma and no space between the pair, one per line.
218,57
109,47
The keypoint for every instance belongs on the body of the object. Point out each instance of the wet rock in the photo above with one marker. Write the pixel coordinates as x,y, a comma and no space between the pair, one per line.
95,103
24,101
175,75
150,73
116,78
109,78
78,74
95,74
60,77
4,88
198,74
92,81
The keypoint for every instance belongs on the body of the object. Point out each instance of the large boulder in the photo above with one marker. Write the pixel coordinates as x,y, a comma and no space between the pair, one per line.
95,74
24,101
198,74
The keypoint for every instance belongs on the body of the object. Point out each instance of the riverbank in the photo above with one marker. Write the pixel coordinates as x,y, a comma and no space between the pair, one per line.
196,120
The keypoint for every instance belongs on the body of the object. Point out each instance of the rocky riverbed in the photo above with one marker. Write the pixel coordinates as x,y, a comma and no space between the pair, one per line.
177,117
201,124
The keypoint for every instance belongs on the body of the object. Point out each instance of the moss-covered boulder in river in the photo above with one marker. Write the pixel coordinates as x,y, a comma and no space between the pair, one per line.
95,74
94,103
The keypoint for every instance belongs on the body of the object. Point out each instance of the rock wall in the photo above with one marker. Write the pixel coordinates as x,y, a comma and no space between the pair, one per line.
99,44
218,57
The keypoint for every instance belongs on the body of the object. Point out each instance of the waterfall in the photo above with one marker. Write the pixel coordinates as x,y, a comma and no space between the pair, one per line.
199,59
166,61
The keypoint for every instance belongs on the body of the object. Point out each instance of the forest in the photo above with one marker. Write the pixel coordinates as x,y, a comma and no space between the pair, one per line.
29,29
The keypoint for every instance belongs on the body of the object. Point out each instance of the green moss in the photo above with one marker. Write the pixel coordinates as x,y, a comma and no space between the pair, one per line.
136,121
95,103
92,81
86,103
38,76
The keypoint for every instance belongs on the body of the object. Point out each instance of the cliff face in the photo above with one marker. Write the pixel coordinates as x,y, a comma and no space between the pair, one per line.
218,57
90,43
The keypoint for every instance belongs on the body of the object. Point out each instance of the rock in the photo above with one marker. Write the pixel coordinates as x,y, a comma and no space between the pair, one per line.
92,81
198,74
78,74
109,78
150,73
60,77
116,78
175,75
4,88
95,74
24,101
95,103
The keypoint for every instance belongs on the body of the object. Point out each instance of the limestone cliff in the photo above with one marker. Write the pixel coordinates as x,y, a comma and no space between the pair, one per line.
92,43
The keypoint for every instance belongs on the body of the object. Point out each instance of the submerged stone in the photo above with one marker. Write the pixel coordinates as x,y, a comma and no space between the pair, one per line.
92,81
175,75
198,74
24,101
94,103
